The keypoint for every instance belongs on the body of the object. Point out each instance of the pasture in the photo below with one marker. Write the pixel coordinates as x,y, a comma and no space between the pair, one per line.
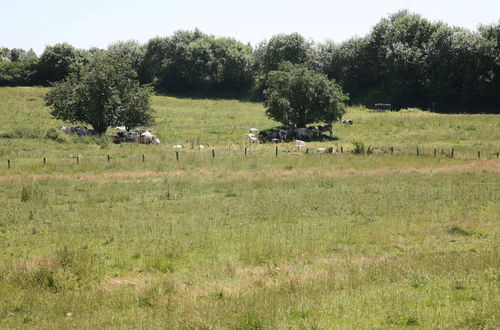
248,242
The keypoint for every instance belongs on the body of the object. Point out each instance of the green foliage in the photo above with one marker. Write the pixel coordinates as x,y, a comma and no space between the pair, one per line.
56,62
103,93
359,147
17,73
299,96
129,51
281,48
194,61
410,62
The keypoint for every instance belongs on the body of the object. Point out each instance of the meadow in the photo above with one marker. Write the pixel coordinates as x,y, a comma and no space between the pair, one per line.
248,242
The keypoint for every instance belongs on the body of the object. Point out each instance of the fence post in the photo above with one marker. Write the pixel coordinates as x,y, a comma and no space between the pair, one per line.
452,153
108,158
417,151
435,151
213,153
276,151
44,161
497,154
8,163
143,158
392,150
368,151
177,155
342,150
245,151
479,154
307,150
77,160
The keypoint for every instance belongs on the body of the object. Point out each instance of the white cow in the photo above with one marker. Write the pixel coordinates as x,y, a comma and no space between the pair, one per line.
254,130
300,143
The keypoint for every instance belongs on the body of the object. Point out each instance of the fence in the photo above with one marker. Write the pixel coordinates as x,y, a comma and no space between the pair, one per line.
248,152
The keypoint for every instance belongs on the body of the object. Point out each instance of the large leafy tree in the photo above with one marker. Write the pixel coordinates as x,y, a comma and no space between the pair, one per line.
56,62
281,48
103,93
299,96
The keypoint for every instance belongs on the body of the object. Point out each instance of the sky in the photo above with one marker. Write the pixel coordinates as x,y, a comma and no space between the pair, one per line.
98,23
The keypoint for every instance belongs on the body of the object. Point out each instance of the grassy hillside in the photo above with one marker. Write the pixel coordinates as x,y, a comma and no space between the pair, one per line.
294,241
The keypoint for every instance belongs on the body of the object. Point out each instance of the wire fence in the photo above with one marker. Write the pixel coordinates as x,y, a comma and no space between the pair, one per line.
232,154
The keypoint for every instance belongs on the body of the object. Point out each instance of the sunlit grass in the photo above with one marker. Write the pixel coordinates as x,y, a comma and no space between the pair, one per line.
247,242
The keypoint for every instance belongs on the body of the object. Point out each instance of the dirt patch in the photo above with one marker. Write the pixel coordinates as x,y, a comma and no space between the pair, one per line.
492,165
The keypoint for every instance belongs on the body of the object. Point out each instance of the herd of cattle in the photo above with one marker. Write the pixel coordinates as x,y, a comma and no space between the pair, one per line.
122,135
290,133
284,134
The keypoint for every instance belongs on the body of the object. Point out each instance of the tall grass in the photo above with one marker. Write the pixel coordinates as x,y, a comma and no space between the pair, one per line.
294,241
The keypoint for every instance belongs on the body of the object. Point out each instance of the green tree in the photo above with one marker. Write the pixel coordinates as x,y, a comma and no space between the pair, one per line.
56,62
281,48
103,93
130,51
299,96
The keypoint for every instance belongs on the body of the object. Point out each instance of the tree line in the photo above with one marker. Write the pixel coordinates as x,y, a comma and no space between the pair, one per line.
405,60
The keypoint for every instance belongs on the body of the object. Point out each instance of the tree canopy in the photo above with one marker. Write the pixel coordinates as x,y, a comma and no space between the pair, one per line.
103,93
299,96
405,60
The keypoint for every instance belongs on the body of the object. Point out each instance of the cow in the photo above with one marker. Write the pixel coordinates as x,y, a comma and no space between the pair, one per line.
84,131
147,137
268,135
144,137
324,150
302,133
347,122
326,128
65,129
300,143
283,133
254,130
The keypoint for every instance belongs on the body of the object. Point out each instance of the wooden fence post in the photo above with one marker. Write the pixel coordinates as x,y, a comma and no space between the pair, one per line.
341,150
307,150
77,160
177,155
479,154
392,150
143,158
276,151
435,151
108,158
8,163
452,153
417,151
44,161
213,153
498,154
245,151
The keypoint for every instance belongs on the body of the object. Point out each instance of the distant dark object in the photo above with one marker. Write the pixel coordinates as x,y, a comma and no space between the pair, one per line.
382,107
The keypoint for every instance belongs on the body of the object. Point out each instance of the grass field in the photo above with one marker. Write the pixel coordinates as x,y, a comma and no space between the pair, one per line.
248,242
